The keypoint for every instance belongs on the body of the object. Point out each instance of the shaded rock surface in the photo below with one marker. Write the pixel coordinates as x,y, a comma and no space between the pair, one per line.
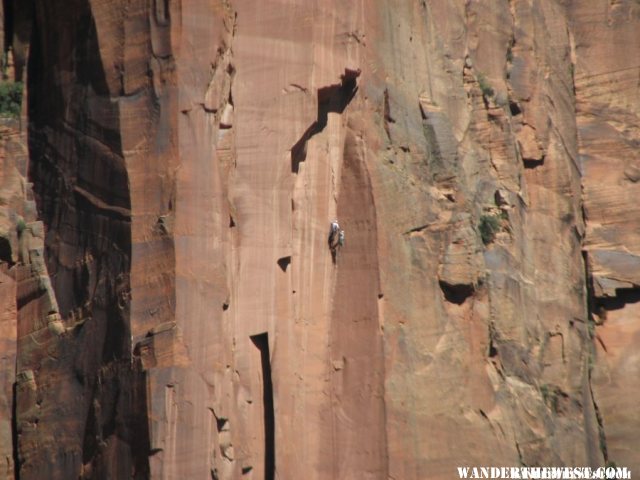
170,308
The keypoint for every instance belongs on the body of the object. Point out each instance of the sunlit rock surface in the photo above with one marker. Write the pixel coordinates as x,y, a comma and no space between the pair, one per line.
171,309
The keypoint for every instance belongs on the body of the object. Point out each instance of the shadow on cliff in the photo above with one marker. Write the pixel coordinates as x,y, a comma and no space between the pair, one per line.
81,189
333,98
623,297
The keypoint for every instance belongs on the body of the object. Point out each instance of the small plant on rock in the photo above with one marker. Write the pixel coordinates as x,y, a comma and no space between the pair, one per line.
485,86
489,226
10,99
20,226
550,396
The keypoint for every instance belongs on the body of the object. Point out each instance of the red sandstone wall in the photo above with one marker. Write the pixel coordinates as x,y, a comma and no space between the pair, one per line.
186,159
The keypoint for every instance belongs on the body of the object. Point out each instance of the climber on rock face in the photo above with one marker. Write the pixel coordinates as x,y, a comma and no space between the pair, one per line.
336,239
333,234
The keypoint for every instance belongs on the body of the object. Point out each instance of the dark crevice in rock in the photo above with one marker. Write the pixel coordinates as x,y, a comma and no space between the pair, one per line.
221,423
14,433
7,10
387,111
117,336
333,98
387,114
458,293
520,456
20,22
91,435
602,438
492,351
417,229
533,162
300,88
138,427
514,108
5,251
208,110
284,262
261,341
591,308
601,342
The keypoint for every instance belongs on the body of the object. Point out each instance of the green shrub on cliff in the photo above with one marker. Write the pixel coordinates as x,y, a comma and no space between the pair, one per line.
20,226
550,396
489,226
10,99
485,86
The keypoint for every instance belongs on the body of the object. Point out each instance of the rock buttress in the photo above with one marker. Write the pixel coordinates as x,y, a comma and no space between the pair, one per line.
78,387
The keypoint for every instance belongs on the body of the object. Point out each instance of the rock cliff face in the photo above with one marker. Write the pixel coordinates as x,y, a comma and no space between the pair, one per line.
170,307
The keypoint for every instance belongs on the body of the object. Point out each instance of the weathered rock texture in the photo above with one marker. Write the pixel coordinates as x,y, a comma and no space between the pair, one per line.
171,308
607,84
